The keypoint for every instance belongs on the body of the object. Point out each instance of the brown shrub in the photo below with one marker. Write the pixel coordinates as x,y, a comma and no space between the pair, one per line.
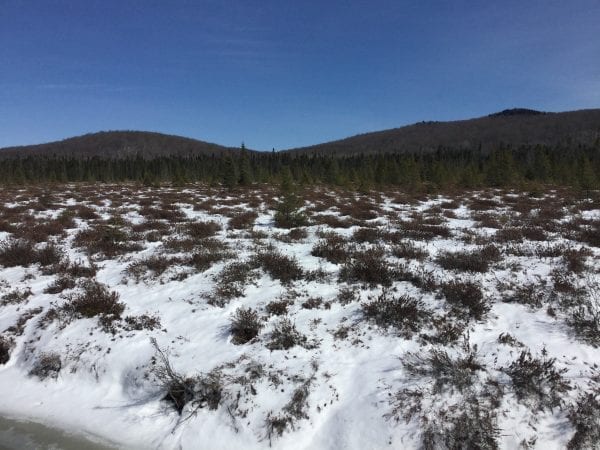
470,261
334,248
243,220
368,266
279,266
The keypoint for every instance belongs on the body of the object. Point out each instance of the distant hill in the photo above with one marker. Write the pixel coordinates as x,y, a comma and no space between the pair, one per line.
510,127
121,144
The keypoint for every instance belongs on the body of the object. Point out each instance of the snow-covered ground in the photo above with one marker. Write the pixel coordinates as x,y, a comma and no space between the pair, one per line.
364,373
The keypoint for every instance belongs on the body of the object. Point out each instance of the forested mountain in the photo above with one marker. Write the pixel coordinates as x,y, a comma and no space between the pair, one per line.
121,144
504,149
513,127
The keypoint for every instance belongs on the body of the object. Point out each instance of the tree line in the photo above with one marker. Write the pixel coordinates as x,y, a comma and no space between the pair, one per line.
577,166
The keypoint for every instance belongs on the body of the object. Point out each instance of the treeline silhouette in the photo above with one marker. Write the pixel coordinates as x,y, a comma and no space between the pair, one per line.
577,166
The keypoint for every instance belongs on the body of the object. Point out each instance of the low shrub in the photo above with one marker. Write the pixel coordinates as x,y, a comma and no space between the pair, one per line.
371,235
243,220
106,240
17,252
536,381
47,365
202,230
150,267
245,325
446,371
16,296
585,418
474,427
285,336
95,300
408,250
208,253
470,261
404,313
143,322
277,307
6,346
180,391
531,294
333,247
575,260
369,267
466,297
231,282
279,266
347,295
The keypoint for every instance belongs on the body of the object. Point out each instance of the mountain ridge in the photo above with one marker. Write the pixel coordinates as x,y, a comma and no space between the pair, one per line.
510,127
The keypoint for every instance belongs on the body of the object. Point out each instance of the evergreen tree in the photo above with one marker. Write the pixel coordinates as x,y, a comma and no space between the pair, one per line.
245,178
288,214
229,176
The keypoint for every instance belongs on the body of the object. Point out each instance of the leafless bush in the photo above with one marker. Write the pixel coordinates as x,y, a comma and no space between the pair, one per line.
16,296
293,411
333,247
470,261
285,336
531,294
466,297
143,322
106,240
421,229
347,295
536,381
156,265
281,267
332,221
368,266
6,346
446,371
47,365
201,230
474,427
363,234
408,250
198,391
210,252
277,307
314,303
95,300
17,252
585,418
574,260
243,220
403,313
231,282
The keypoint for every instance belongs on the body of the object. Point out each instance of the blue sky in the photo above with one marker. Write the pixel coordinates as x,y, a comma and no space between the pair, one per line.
282,74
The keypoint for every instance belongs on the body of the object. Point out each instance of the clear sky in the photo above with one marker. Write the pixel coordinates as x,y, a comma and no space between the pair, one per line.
280,74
